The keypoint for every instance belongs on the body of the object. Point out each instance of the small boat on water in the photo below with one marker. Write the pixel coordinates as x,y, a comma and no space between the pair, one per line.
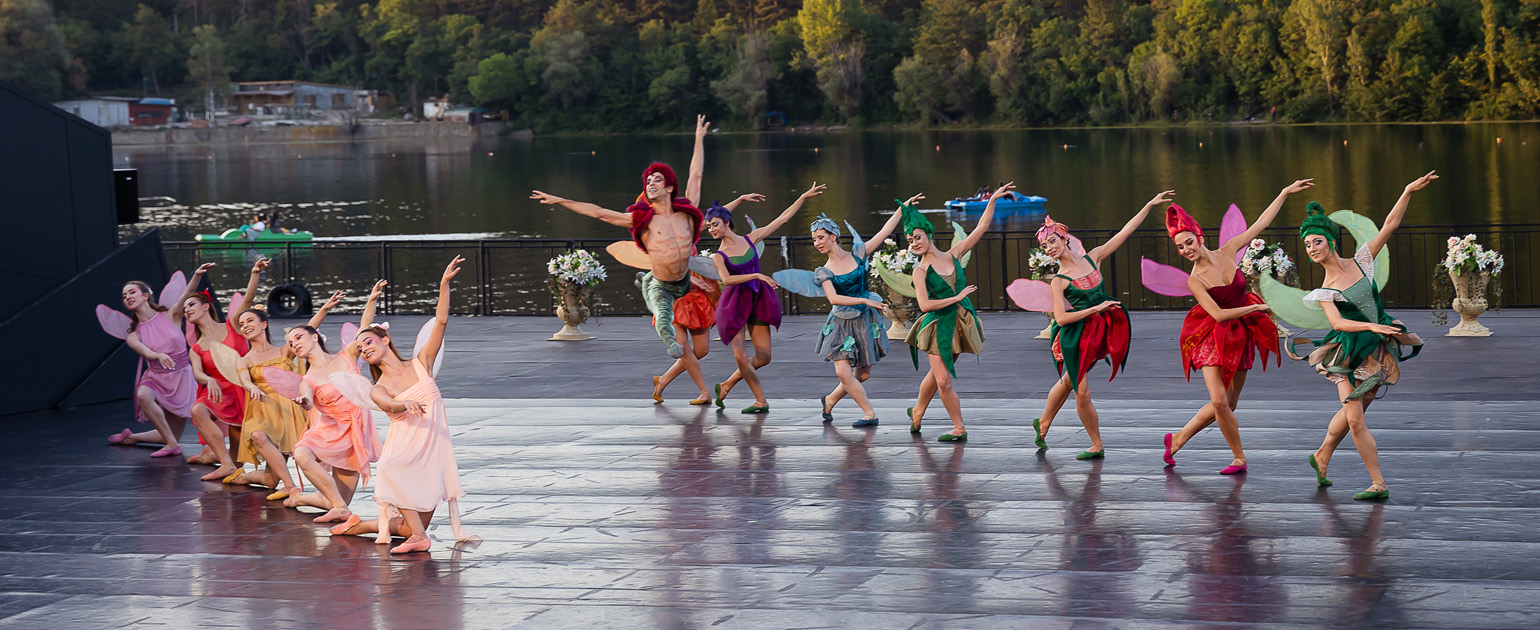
1011,202
244,235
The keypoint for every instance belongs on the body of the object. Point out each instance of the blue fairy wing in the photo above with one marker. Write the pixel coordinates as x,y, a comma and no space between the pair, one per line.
799,281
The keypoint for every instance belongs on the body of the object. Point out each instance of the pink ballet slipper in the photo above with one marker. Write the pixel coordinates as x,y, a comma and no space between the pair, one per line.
342,530
1170,461
120,437
1232,469
168,451
412,547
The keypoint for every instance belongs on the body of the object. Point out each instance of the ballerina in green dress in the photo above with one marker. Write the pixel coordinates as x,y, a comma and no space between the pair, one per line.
950,325
1362,351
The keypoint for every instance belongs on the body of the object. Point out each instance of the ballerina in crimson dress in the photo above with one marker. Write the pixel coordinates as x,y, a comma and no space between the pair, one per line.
1088,325
1222,336
215,355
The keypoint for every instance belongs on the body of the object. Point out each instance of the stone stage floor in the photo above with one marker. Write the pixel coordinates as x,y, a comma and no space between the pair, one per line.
615,513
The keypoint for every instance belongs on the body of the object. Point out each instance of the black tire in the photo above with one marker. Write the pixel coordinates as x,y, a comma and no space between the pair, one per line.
289,300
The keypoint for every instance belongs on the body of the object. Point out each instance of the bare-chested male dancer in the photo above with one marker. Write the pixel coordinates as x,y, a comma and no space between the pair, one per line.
664,226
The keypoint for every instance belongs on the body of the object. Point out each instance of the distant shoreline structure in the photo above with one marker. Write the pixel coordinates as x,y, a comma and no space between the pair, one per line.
312,133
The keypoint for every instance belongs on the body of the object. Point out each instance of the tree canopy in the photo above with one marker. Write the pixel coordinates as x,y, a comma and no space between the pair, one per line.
628,65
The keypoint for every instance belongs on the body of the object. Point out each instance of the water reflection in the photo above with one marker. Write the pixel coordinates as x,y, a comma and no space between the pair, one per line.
954,541
1094,556
1229,581
859,509
421,591
1366,602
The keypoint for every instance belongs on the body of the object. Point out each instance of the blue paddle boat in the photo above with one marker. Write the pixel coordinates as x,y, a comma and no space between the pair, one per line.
1012,202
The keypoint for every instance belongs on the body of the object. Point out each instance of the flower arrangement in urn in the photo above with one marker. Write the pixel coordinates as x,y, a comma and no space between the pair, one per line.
1268,259
573,278
1043,267
902,309
1460,281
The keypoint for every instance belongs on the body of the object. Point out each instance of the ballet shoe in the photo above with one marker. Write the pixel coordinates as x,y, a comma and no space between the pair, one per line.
1320,479
948,437
1372,494
1232,469
705,399
753,409
914,424
412,547
278,495
120,438
1037,428
655,397
827,415
342,529
1091,454
1171,461
168,451
230,479
864,423
718,389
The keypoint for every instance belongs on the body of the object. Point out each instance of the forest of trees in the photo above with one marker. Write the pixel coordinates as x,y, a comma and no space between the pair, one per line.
627,65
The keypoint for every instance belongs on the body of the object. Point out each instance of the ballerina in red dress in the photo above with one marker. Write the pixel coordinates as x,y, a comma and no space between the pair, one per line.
216,351
1226,330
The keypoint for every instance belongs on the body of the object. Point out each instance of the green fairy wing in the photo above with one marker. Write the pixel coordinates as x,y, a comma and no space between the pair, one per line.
958,234
902,283
1364,230
1288,303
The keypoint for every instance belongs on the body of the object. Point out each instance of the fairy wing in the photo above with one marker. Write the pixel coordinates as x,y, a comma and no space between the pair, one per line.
226,360
235,302
113,321
1364,230
1288,303
856,242
902,283
422,340
1233,225
759,248
175,287
799,281
349,332
958,234
704,266
1163,279
355,388
628,253
284,382
1032,295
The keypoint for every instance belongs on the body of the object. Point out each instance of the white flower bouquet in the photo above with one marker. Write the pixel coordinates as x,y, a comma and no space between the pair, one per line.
1264,259
894,259
1466,256
1041,264
578,267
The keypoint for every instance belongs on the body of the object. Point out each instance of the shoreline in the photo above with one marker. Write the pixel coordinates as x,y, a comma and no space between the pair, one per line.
188,136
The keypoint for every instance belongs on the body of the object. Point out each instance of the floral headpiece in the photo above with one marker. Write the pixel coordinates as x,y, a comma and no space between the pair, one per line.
1178,221
1051,226
915,220
1316,222
717,210
823,222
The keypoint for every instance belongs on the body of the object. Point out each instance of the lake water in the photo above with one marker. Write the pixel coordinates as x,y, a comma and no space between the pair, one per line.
1091,177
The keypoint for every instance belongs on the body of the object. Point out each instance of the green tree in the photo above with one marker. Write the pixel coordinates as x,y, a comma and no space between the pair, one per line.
151,45
832,45
32,52
499,81
206,67
745,88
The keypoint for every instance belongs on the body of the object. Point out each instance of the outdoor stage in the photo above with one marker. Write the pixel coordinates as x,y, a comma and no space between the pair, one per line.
605,512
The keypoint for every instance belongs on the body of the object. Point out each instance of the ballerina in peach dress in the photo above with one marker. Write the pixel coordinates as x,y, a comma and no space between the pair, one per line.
417,469
335,452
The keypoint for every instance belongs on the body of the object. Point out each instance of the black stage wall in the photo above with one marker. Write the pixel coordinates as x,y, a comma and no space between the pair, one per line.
59,257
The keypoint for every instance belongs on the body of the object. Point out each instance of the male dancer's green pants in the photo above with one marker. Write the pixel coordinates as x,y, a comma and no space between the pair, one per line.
660,296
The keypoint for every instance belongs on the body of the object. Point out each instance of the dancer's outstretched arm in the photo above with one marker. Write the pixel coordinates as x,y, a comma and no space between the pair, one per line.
177,313
697,161
320,314
435,340
966,245
251,285
1105,249
765,232
875,244
1065,318
350,348
732,206
584,208
1244,238
1393,220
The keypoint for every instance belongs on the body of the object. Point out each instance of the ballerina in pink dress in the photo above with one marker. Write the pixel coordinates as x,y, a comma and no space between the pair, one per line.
417,469
335,452
164,389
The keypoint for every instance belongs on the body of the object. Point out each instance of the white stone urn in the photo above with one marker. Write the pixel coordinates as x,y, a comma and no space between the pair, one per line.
572,309
902,310
1047,331
1470,290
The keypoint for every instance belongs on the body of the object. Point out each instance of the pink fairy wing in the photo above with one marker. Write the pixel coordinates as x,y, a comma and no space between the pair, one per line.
284,382
1163,279
349,333
627,253
192,333
113,321
1233,225
1033,295
355,388
1076,247
235,302
422,339
175,287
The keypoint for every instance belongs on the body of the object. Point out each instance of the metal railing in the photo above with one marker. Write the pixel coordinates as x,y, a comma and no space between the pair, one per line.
508,276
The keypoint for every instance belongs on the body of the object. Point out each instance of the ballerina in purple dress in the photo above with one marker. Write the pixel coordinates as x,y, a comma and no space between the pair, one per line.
748,296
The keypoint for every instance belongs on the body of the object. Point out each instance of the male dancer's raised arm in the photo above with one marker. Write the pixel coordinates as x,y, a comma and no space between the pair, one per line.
697,161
